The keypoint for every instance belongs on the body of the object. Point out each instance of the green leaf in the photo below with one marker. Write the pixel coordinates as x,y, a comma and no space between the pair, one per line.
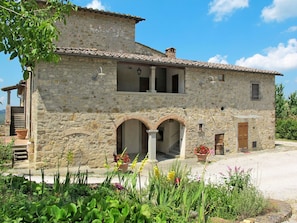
23,27
125,210
71,208
26,75
56,212
145,211
13,55
92,204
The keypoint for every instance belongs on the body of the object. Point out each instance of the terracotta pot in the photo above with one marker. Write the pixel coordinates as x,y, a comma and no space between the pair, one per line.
202,157
21,133
123,167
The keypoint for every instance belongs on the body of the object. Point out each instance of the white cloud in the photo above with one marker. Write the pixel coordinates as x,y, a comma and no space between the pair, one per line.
1,80
218,59
292,29
280,10
95,4
224,8
280,58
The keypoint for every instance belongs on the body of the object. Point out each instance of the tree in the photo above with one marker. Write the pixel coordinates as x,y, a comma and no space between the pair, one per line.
292,103
28,31
280,102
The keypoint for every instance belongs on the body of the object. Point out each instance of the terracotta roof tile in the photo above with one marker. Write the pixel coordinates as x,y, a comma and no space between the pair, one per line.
136,18
128,57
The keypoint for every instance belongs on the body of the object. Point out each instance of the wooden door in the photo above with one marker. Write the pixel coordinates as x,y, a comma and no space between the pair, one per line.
243,136
219,144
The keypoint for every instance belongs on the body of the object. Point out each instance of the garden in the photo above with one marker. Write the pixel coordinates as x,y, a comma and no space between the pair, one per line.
168,196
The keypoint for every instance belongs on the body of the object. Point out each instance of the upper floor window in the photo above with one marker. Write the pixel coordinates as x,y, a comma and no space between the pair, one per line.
255,91
221,77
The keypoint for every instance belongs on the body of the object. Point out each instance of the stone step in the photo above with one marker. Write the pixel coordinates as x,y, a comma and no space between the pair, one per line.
20,152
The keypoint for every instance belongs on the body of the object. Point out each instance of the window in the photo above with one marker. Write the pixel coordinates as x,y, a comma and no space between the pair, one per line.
254,144
221,77
255,91
200,127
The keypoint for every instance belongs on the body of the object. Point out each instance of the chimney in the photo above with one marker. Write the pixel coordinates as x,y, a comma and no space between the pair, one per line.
170,52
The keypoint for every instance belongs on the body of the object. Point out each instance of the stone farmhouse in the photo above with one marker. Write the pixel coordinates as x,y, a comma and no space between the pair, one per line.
109,93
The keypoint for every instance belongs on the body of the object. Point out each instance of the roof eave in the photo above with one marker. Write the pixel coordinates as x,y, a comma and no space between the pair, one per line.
103,12
158,61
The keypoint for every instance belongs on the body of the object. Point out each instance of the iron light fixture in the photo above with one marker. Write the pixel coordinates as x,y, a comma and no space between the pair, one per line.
138,71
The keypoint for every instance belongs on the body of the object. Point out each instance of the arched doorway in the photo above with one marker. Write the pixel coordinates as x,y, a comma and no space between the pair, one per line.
170,139
132,135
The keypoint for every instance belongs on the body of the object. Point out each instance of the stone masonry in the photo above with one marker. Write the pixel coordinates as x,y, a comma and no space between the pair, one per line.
75,119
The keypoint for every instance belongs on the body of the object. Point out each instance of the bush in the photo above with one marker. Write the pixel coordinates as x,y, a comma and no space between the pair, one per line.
6,153
236,198
169,197
286,128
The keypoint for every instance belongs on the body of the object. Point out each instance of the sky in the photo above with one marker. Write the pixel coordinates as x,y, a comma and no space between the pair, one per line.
251,33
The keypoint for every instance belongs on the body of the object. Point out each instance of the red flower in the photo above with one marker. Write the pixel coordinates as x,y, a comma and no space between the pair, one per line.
202,150
124,157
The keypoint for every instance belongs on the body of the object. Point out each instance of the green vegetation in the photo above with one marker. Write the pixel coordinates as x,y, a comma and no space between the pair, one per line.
236,196
6,154
168,197
28,31
286,114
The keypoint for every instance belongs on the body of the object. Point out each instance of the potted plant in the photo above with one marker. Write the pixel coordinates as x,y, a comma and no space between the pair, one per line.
21,133
201,152
122,161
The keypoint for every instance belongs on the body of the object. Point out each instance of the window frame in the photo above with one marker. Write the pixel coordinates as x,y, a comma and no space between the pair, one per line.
221,77
255,92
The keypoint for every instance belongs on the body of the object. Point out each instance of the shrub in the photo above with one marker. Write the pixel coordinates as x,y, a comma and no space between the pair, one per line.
236,197
169,197
6,153
286,128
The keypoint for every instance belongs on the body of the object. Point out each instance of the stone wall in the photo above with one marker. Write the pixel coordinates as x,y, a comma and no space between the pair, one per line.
102,32
2,130
78,117
75,117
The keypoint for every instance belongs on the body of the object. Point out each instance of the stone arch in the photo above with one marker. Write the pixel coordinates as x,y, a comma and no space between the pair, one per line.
131,133
140,118
168,117
171,136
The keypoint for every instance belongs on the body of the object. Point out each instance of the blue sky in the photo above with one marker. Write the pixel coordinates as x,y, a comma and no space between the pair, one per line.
251,33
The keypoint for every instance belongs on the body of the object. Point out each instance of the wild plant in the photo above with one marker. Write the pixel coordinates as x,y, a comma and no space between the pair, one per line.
6,154
236,198
237,178
176,190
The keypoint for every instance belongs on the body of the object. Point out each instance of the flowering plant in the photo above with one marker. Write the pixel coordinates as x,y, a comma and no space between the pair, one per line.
201,150
123,158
